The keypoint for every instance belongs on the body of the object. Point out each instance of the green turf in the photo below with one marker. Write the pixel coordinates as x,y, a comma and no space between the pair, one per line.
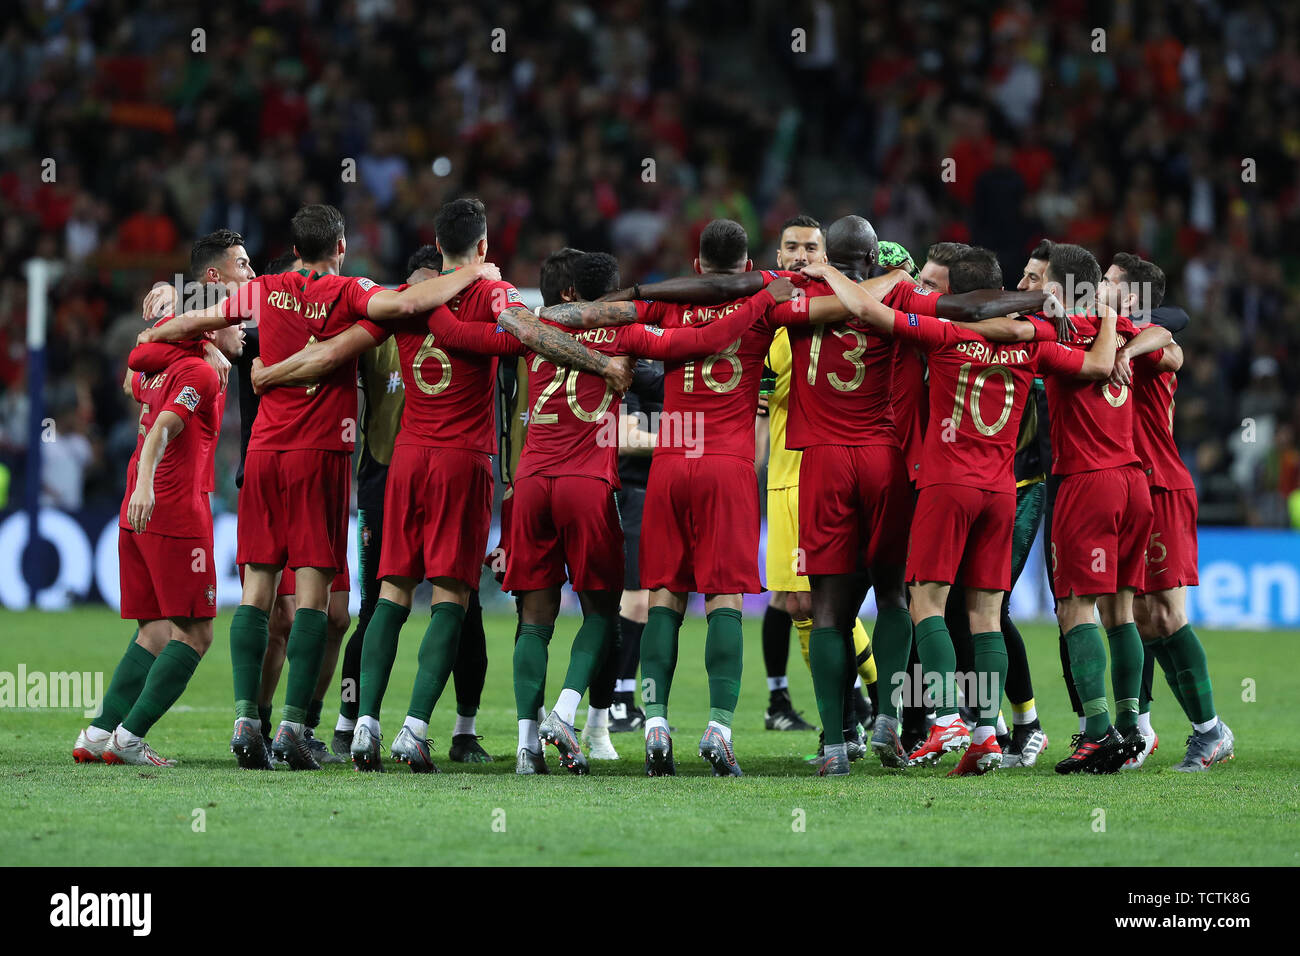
55,812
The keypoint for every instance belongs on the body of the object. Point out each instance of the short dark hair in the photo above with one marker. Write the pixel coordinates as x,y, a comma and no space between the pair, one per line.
1080,265
724,244
977,268
946,253
594,274
281,263
426,257
1042,251
212,248
803,221
1143,272
459,225
315,231
557,274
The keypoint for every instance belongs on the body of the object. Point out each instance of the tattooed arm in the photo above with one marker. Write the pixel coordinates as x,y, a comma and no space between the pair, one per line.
563,349
590,315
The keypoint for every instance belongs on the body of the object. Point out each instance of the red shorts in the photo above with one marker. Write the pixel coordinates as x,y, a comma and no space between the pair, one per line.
289,585
437,514
855,506
564,521
1171,549
293,509
700,526
1100,527
166,577
962,535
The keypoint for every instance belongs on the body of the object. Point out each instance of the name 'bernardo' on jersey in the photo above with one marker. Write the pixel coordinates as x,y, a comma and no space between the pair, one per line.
1001,355
288,302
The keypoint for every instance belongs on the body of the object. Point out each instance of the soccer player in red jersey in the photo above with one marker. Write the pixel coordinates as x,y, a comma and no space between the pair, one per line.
438,497
293,507
855,505
216,258
1135,288
1101,523
565,514
165,549
962,528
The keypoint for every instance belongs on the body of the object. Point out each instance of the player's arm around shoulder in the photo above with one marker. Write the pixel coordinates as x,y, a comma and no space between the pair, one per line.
861,303
313,362
563,349
591,315
387,304
1003,328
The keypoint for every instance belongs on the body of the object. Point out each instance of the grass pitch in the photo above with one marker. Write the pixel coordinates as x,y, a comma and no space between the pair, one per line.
205,812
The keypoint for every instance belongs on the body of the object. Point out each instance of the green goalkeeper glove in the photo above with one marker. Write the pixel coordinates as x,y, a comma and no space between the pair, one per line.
894,256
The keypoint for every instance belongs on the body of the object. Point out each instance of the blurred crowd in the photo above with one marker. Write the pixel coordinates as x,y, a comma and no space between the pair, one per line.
128,127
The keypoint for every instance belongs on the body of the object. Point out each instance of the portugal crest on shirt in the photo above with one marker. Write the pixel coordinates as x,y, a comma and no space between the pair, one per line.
211,593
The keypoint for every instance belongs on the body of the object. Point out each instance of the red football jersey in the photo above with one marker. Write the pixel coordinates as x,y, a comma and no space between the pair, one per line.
1153,391
840,382
908,394
1092,422
155,357
573,415
449,370
294,309
188,387
978,391
709,403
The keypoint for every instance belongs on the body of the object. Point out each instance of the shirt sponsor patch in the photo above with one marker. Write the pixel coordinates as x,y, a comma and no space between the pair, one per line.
513,295
653,329
366,284
189,397
912,320
922,290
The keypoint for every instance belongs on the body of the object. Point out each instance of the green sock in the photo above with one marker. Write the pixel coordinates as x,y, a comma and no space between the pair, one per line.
304,654
437,658
587,653
1148,674
991,667
1160,651
1088,665
164,686
124,689
378,651
892,642
659,659
1125,673
830,671
934,647
530,668
724,647
248,637
1193,674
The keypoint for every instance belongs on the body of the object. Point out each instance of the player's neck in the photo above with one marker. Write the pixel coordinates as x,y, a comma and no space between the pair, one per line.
326,267
451,265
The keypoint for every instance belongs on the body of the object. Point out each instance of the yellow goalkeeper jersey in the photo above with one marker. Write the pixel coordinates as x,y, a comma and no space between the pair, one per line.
782,465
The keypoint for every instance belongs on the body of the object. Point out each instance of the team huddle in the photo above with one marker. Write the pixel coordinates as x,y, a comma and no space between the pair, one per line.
923,425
